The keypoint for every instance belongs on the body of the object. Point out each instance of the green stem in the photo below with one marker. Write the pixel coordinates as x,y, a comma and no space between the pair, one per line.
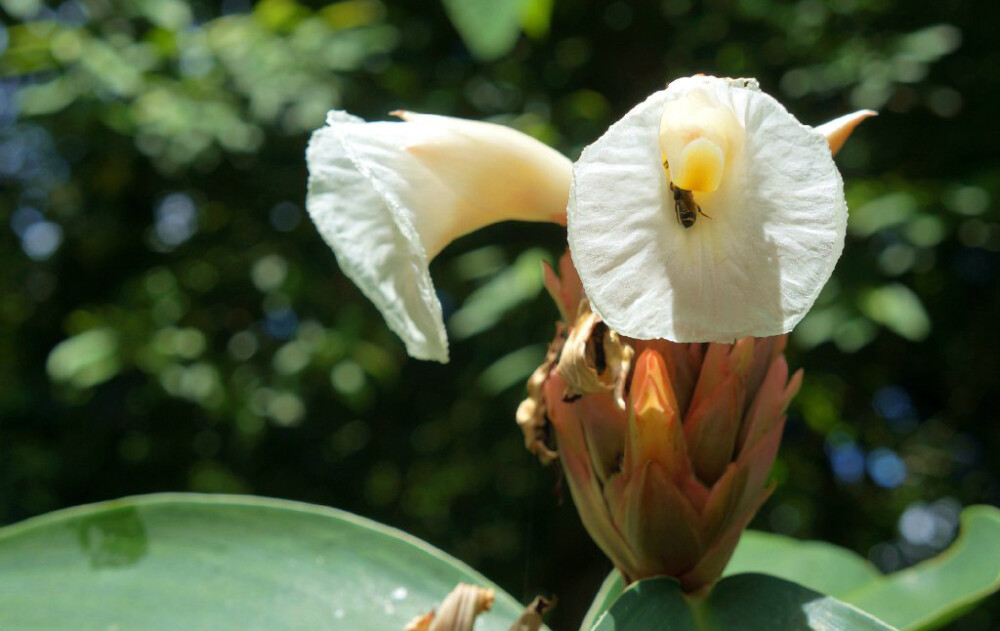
698,601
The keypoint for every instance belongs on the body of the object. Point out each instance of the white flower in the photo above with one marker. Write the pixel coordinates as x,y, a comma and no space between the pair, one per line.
389,196
759,194
708,213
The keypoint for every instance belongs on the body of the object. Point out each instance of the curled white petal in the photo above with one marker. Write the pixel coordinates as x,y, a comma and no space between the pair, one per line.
752,264
389,196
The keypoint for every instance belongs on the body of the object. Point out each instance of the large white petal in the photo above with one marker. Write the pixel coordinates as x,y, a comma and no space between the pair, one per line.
754,268
388,196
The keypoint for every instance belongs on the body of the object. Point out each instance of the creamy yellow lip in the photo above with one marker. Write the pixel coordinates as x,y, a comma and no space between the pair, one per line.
696,136
701,165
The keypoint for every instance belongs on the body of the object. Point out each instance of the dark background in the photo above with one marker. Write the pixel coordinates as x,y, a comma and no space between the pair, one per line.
170,319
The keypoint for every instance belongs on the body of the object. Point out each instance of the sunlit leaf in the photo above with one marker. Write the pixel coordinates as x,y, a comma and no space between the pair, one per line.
899,309
882,212
511,369
86,359
820,566
931,43
515,285
21,8
220,563
489,28
536,16
929,594
920,598
171,14
610,590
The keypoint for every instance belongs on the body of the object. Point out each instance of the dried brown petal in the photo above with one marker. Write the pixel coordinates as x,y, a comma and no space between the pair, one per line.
595,359
531,413
457,612
531,619
420,623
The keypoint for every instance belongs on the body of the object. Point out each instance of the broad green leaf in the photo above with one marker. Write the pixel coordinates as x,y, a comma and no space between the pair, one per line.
748,602
609,592
820,566
489,28
923,597
929,594
221,563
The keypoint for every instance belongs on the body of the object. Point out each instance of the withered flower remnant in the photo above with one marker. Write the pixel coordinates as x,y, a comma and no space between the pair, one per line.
461,607
458,611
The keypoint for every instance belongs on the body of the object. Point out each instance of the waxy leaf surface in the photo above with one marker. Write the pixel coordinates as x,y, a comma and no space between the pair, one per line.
923,597
222,563
748,602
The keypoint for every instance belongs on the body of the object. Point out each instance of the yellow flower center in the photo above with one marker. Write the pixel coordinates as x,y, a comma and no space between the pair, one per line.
696,138
701,165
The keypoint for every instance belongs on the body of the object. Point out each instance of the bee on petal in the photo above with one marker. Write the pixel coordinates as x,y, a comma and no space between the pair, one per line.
686,208
722,149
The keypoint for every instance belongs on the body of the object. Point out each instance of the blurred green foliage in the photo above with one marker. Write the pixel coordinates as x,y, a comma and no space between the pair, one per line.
170,320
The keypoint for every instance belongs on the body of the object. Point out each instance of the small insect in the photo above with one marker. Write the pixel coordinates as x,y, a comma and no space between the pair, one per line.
687,209
684,205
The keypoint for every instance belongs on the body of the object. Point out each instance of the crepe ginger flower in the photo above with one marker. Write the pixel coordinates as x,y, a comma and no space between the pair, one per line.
389,196
668,471
707,213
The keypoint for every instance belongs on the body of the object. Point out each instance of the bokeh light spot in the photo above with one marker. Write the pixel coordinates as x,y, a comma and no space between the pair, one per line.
269,272
285,216
347,377
41,240
886,468
176,219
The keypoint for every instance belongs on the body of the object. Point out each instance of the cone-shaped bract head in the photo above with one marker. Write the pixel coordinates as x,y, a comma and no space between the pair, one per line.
666,483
